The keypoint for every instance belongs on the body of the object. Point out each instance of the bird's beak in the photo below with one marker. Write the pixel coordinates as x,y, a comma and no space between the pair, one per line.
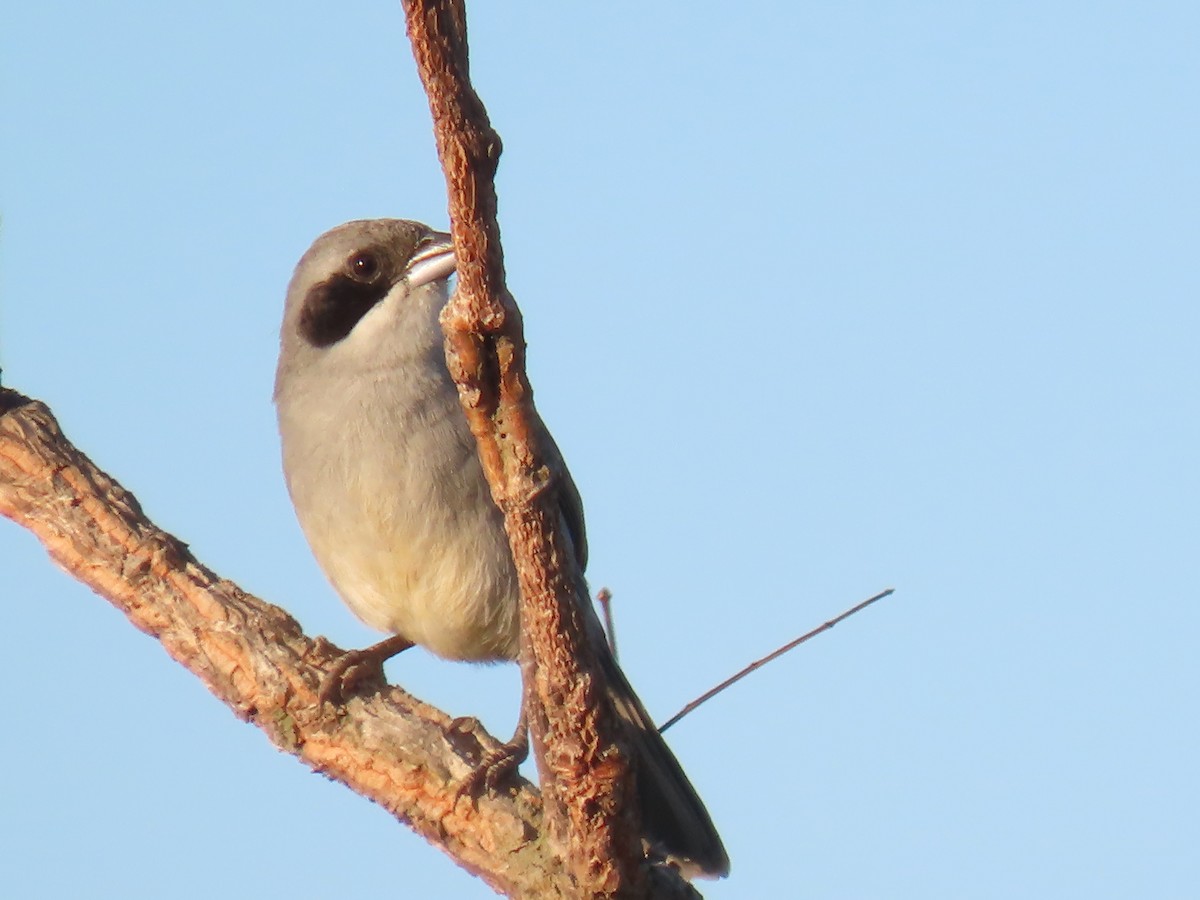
432,262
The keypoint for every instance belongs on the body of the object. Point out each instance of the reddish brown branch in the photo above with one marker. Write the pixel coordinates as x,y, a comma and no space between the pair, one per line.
401,753
590,801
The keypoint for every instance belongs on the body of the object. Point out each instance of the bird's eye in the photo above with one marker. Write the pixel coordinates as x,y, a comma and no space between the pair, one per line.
364,266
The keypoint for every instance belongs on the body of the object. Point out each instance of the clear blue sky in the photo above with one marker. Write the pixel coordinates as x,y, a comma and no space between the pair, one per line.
821,299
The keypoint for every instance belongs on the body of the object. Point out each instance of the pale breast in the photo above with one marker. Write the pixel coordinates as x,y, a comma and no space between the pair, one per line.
400,518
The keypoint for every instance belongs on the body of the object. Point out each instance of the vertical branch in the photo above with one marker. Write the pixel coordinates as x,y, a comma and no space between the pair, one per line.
590,802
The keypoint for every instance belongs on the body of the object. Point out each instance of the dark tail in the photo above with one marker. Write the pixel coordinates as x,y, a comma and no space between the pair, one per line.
673,815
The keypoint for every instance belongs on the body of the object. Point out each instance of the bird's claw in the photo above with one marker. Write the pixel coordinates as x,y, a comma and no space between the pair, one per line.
356,667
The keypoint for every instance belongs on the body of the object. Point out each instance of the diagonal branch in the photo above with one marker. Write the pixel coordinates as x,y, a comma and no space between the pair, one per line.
391,748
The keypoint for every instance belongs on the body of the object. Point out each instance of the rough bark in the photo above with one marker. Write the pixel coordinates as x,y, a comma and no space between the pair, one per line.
591,803
391,748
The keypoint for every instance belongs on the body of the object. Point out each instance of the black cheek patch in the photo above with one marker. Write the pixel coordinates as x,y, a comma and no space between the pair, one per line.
332,308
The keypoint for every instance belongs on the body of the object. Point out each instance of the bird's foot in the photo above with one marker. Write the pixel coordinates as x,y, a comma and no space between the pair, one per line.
355,667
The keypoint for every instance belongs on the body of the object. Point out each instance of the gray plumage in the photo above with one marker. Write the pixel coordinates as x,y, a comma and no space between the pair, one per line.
385,477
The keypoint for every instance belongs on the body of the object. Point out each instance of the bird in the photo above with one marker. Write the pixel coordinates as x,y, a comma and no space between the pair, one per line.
388,488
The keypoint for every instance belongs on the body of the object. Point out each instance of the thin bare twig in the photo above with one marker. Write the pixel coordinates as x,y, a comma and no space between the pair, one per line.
758,664
604,598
